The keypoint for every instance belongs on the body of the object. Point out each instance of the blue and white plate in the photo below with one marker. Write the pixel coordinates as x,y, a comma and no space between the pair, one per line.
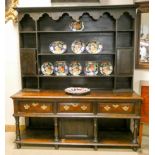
91,68
94,47
106,67
78,47
58,47
76,26
60,68
47,68
75,68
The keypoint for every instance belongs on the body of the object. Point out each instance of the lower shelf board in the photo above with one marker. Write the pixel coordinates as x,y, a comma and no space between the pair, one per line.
106,138
37,136
116,138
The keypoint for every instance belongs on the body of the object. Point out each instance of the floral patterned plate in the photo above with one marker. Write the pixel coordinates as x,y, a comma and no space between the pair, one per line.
91,68
75,68
60,68
106,67
47,68
58,47
78,47
76,26
77,90
94,47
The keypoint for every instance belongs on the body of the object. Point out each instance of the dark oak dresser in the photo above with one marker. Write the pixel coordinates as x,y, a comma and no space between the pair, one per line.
107,116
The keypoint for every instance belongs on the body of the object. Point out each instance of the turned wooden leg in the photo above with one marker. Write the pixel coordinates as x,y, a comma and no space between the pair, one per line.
18,138
140,133
56,132
95,133
135,133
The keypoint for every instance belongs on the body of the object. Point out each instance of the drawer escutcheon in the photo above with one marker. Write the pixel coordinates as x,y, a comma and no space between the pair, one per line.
115,106
125,108
74,104
66,107
83,107
107,108
26,106
34,104
43,107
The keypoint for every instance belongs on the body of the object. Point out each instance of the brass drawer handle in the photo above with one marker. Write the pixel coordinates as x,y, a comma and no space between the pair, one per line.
44,107
34,104
26,106
74,104
66,107
125,108
115,105
107,108
83,107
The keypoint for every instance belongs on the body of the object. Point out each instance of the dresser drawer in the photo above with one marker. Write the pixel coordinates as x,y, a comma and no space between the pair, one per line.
36,107
75,107
122,108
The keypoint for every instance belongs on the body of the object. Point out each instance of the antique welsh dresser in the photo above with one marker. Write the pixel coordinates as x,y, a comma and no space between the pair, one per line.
107,116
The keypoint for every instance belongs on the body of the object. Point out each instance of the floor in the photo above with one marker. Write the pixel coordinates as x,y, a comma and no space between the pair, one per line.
10,149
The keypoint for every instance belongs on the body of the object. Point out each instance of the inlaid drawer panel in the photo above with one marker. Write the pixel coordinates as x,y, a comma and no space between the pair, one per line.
75,107
35,107
124,108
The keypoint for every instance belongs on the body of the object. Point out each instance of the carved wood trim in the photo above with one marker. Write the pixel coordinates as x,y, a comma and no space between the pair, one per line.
10,13
77,14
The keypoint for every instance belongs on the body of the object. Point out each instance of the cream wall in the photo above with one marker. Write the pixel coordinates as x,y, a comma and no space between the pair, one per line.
12,62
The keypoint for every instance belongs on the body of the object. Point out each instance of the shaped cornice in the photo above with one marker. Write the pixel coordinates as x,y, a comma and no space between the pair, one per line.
95,14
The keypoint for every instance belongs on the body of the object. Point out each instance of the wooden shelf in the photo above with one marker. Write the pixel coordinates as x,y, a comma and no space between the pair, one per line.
22,32
107,138
37,136
107,52
116,138
71,76
104,31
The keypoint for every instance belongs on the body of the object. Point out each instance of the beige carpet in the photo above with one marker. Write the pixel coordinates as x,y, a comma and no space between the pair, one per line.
10,148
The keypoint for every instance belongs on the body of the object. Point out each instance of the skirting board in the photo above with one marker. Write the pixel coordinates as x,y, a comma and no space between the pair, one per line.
12,128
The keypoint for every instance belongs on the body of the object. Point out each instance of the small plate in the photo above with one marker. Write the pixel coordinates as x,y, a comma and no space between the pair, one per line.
58,47
91,68
78,47
77,90
76,26
106,67
60,68
75,68
94,47
47,68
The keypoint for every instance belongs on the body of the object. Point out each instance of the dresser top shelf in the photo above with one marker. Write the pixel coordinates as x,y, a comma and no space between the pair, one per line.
60,94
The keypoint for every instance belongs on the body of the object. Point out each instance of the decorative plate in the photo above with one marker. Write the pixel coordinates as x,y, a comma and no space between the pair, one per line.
58,47
76,26
106,67
78,47
60,68
77,90
91,68
47,68
75,68
94,47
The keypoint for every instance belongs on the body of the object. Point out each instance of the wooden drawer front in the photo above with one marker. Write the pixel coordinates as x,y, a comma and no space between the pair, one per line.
35,107
116,108
75,107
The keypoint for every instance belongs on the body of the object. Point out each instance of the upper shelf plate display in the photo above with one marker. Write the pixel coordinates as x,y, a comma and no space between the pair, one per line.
76,26
78,47
106,67
58,47
47,68
94,47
